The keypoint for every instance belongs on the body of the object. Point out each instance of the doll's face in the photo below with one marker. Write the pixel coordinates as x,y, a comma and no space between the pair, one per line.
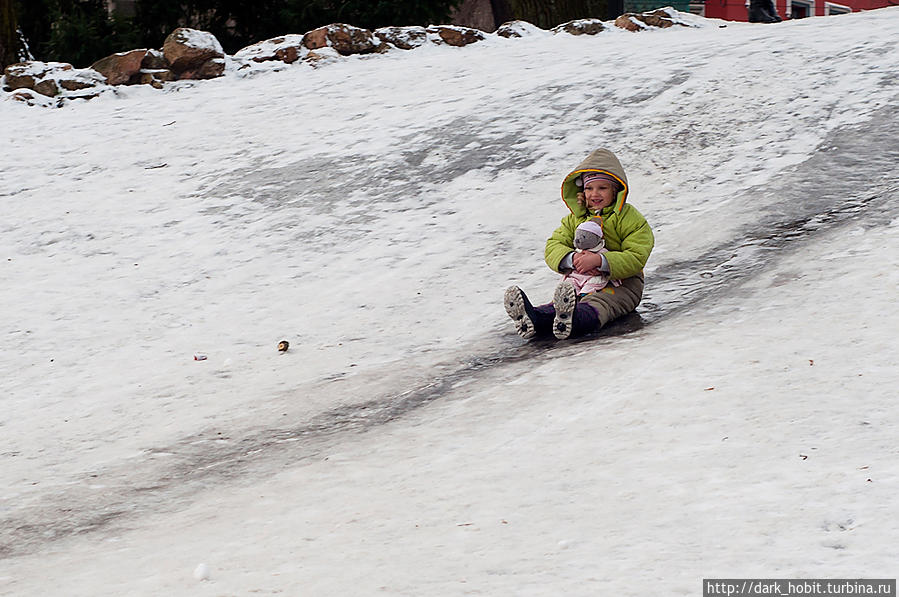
599,194
586,240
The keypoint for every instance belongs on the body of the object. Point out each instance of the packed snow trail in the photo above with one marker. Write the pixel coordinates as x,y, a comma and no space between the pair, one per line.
818,196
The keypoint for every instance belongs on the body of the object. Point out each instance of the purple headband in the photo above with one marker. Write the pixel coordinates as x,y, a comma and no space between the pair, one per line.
588,177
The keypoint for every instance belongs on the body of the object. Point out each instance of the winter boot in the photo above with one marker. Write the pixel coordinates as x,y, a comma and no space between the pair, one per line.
584,320
564,302
522,313
573,318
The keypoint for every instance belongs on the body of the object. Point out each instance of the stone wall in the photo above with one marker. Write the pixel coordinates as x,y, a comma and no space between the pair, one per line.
189,54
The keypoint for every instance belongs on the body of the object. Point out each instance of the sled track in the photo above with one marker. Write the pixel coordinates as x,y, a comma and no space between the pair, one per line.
831,189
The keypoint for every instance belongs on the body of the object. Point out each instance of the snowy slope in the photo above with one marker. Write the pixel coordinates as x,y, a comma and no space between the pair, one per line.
371,212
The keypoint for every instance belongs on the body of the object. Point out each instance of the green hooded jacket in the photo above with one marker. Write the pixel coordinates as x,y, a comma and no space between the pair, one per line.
628,237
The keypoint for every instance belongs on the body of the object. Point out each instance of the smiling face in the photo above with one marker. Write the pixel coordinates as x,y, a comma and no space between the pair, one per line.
599,194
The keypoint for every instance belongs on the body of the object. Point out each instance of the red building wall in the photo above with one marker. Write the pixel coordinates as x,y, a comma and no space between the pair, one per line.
736,10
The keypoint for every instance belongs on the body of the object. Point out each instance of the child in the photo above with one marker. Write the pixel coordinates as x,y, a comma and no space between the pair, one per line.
628,239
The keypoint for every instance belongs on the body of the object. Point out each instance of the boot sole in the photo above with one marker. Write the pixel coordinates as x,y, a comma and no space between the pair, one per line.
564,302
514,303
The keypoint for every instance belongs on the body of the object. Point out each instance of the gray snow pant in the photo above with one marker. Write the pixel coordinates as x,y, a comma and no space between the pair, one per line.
613,302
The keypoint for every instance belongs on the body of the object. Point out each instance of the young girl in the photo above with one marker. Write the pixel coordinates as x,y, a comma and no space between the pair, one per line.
629,241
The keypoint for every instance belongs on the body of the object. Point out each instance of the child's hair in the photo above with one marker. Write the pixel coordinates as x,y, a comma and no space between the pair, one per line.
582,199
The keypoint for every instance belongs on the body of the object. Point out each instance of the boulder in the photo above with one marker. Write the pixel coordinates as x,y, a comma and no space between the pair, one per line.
119,68
287,55
210,69
322,57
47,87
580,27
76,84
52,78
31,97
25,75
287,49
452,35
346,39
518,29
23,94
194,54
155,77
154,60
660,18
404,38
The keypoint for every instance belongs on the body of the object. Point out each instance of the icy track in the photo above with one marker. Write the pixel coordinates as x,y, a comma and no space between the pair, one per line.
742,424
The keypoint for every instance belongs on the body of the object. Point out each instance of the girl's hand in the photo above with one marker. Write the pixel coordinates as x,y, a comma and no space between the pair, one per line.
587,263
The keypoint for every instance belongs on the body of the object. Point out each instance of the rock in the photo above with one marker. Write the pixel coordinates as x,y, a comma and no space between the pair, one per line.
28,74
346,39
191,54
31,97
518,29
322,57
47,87
580,27
210,69
75,84
452,35
404,38
80,78
82,94
154,60
155,77
287,48
119,68
660,18
631,22
52,78
22,94
57,80
288,55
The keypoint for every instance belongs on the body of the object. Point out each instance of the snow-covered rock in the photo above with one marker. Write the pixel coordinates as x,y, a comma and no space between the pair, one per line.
656,19
519,29
121,67
286,48
28,74
52,79
322,57
194,54
452,35
345,39
580,27
404,38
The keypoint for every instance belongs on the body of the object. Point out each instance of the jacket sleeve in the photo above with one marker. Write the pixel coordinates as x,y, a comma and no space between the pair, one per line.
561,243
637,242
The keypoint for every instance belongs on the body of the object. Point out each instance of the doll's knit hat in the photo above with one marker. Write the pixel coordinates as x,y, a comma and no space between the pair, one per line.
591,226
588,177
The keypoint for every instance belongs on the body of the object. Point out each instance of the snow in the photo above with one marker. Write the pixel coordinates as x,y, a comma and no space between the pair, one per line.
264,49
522,29
193,38
39,68
371,212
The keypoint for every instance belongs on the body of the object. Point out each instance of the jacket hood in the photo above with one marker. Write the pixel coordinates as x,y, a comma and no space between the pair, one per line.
601,160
